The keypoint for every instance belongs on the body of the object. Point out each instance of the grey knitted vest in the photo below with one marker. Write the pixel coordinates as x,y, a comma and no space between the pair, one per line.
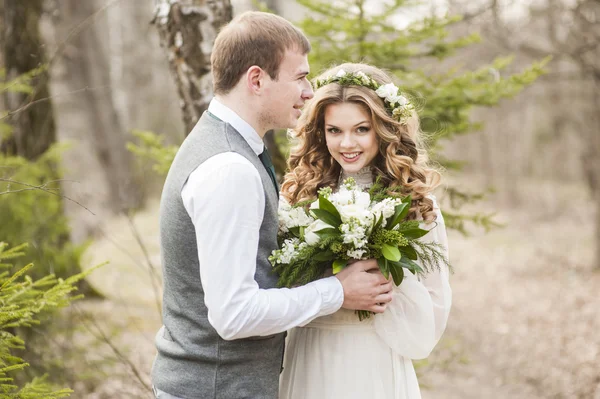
193,361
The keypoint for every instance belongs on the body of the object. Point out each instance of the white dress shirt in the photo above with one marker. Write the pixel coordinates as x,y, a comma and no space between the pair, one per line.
225,199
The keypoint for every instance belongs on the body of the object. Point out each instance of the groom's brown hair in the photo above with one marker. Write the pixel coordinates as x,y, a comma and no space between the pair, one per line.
253,38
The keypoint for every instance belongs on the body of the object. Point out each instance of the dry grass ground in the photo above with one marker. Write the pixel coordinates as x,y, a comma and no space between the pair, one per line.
526,317
524,323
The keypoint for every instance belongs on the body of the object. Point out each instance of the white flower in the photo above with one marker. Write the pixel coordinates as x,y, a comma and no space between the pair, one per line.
289,250
310,236
284,205
387,207
354,234
298,217
291,217
363,77
362,199
341,73
341,198
400,100
356,212
356,254
387,91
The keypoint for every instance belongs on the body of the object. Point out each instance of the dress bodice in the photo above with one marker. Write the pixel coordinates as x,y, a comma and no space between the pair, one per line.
363,178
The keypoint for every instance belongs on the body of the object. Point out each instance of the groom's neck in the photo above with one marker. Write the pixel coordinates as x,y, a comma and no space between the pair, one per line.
238,103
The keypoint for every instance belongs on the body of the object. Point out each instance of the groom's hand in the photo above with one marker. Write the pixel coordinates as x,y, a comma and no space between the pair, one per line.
364,286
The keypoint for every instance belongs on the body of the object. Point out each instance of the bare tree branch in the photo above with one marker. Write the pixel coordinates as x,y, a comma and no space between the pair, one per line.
42,187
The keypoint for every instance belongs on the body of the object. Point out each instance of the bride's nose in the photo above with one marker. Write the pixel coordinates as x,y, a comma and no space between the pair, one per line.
347,141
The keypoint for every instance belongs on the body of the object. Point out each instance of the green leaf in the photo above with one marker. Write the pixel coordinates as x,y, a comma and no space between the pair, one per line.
400,212
410,265
327,217
390,252
378,222
324,256
328,232
326,205
397,273
409,252
384,267
338,265
413,234
295,231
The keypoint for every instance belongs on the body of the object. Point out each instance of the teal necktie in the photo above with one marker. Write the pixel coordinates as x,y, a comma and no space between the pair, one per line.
265,158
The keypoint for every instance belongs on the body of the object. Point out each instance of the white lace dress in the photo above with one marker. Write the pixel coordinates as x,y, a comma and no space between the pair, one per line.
338,356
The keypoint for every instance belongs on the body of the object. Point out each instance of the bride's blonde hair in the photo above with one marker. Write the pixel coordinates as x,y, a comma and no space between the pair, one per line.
401,161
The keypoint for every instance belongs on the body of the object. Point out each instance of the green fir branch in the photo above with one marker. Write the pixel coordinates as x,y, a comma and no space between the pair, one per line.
432,255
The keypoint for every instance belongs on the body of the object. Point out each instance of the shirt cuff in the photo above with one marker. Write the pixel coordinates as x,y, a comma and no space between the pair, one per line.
332,295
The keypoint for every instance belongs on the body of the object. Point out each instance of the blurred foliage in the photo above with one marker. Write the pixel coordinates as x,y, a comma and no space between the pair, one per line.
24,301
36,214
20,84
151,148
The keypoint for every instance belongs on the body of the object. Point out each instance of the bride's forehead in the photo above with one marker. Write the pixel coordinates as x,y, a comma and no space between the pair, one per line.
346,113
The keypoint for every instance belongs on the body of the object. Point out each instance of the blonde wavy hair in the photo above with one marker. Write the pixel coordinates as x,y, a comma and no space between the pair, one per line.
401,161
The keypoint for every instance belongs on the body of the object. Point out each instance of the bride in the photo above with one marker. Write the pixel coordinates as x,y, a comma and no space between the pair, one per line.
359,125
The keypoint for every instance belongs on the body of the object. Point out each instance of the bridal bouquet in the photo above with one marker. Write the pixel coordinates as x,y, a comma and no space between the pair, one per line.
351,224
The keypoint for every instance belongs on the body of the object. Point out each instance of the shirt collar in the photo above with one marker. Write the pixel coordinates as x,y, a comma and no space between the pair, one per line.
227,115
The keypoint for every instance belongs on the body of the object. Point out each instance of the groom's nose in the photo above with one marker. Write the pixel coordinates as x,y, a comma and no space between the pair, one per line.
308,92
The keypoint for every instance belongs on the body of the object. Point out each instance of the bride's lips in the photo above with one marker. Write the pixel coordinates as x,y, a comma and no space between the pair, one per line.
350,157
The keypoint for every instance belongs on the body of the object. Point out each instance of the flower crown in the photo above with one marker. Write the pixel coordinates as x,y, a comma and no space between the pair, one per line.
397,105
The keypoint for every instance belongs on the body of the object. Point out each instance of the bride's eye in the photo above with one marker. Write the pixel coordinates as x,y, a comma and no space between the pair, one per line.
363,129
333,130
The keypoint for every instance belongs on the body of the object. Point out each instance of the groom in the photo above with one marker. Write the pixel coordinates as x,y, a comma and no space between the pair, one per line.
224,322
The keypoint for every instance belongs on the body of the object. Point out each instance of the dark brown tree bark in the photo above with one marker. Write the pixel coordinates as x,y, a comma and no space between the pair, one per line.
23,51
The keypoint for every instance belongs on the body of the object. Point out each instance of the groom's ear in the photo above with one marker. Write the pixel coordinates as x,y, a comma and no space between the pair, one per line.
255,79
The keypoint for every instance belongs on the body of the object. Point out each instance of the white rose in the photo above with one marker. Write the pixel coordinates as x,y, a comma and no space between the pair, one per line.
310,236
342,197
355,211
362,199
341,73
387,91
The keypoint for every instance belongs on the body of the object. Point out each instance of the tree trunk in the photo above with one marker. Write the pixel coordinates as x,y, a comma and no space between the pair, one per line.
145,96
98,168
23,51
594,161
187,30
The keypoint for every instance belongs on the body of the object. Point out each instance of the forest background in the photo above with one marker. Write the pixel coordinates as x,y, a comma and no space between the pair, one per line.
96,95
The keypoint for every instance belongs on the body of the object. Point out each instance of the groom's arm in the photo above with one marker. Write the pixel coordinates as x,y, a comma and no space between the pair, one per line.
225,199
